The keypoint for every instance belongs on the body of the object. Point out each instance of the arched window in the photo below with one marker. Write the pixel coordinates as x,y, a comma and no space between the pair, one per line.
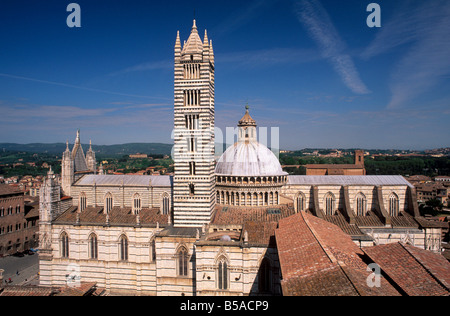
93,246
136,204
265,277
329,203
222,273
393,205
182,261
300,202
123,248
109,202
361,204
153,250
165,204
64,245
83,201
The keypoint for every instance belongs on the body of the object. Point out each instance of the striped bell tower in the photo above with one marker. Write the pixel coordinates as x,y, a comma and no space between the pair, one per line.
194,180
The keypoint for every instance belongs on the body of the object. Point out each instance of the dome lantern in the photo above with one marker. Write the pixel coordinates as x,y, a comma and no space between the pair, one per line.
247,127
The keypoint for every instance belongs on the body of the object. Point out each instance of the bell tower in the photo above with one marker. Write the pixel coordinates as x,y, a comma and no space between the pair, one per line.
193,154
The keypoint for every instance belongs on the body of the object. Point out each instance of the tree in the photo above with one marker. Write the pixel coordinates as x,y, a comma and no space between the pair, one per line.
431,207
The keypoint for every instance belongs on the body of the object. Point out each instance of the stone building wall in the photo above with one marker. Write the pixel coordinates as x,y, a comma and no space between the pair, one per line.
244,264
151,196
135,276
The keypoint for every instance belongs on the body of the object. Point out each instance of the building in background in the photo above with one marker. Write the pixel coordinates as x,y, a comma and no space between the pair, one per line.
19,221
357,169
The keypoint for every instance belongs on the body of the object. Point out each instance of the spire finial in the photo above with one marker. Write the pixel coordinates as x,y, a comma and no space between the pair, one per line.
205,39
77,140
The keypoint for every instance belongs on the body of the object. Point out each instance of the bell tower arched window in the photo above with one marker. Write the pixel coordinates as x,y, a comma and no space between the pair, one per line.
182,261
64,245
123,245
93,246
300,202
136,204
109,202
83,201
330,203
222,273
361,204
393,205
165,204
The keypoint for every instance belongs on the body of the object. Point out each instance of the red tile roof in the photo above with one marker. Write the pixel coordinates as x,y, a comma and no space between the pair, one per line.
16,290
259,222
6,189
318,258
85,289
416,271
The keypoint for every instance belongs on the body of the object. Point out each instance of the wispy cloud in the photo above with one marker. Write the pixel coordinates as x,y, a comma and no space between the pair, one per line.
24,113
57,121
15,113
269,57
426,62
161,64
241,17
66,85
317,22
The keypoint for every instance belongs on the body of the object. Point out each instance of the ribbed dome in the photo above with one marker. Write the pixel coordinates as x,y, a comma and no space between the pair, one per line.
249,159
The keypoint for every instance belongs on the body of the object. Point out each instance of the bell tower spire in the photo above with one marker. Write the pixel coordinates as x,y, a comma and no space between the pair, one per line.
194,179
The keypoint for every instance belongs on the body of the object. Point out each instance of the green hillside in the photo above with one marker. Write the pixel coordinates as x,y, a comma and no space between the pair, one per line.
100,150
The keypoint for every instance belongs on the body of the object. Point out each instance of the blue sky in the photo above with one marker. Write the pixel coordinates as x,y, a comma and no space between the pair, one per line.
312,68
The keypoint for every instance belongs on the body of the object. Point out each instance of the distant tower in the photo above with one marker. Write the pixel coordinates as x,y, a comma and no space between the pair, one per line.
74,164
194,179
67,170
79,160
90,159
359,157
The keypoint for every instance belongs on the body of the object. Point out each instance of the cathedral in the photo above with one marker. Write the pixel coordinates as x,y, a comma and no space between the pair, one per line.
210,228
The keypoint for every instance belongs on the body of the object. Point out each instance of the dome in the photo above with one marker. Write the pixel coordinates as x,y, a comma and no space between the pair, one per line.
225,238
249,159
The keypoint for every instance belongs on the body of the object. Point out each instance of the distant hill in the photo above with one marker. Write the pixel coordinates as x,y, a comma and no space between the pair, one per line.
100,150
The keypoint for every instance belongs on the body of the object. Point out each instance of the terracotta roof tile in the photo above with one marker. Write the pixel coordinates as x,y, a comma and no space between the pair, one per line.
260,233
240,215
16,290
417,272
6,189
318,258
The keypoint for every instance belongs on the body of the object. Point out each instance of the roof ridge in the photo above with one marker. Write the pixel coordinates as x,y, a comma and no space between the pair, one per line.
425,267
319,240
341,265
